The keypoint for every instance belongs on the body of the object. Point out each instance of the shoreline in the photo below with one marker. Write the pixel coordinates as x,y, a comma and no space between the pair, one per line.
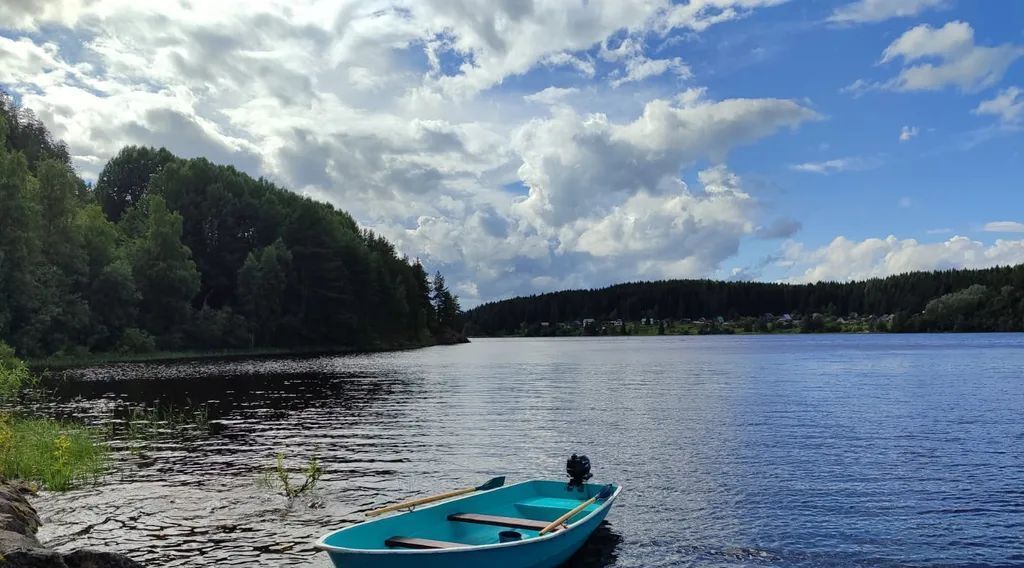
744,333
94,359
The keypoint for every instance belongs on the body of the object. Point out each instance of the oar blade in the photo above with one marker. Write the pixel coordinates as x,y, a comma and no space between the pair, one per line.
492,484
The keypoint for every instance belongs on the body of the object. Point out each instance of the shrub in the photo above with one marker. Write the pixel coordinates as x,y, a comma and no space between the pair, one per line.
14,374
135,341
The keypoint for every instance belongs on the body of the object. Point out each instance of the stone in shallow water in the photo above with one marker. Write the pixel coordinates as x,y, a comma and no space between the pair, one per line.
16,514
19,547
24,551
16,522
96,559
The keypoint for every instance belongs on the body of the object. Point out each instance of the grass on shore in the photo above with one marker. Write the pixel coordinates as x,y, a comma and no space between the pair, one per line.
14,374
59,362
53,454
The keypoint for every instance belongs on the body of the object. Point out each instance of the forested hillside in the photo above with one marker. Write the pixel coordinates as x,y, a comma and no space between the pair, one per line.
167,253
951,300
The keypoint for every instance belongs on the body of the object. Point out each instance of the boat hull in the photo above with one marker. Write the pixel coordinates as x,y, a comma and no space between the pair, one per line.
356,547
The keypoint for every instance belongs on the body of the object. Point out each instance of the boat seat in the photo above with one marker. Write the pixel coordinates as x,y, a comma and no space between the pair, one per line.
551,507
420,543
510,522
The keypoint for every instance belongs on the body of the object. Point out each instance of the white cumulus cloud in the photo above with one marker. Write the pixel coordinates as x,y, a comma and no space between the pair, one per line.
551,95
935,58
1008,106
1004,227
879,10
836,165
575,166
395,110
844,259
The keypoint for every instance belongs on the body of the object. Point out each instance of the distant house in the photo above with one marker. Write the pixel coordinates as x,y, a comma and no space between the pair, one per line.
545,324
616,323
786,318
588,322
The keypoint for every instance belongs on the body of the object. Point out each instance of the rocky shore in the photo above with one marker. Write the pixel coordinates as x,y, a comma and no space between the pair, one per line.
19,547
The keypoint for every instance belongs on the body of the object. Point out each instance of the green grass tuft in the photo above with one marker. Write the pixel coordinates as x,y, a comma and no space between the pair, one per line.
14,375
56,455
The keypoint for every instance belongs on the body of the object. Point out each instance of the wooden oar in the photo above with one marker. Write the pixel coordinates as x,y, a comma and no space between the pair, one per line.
492,484
605,493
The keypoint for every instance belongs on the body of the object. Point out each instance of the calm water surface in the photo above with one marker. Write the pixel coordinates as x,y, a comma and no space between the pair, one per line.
734,451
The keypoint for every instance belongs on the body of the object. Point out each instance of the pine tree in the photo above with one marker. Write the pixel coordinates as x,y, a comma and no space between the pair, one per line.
446,305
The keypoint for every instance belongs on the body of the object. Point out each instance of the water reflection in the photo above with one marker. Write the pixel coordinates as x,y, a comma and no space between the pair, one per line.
599,551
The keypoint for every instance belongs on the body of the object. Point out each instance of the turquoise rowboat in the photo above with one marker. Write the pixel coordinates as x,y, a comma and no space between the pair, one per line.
478,530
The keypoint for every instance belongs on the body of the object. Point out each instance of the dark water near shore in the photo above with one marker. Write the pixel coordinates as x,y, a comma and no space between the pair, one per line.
734,451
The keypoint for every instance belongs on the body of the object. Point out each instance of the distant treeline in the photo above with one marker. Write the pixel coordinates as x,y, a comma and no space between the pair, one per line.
950,300
167,253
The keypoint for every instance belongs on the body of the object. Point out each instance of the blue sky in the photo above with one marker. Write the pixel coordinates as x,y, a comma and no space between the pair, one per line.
523,146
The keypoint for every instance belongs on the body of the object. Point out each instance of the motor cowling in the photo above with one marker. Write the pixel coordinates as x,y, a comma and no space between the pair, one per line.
578,469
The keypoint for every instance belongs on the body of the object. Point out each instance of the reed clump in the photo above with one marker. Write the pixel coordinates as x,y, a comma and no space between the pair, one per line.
145,423
279,478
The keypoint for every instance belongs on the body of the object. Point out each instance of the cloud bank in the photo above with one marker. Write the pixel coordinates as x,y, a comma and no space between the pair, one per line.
609,165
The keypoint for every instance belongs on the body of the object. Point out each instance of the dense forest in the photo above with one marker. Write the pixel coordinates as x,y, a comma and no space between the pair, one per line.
173,254
950,300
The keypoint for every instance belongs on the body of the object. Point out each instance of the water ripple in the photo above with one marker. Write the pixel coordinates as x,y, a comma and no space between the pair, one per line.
880,451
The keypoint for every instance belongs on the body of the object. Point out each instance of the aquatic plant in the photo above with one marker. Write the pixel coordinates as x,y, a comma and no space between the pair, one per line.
56,455
278,478
145,424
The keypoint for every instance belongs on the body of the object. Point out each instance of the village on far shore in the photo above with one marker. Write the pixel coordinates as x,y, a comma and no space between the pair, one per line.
766,323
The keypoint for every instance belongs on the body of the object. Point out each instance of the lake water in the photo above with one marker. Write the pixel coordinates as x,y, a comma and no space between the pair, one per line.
833,450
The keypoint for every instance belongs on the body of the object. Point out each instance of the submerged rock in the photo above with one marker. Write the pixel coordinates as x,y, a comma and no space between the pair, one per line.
98,559
19,547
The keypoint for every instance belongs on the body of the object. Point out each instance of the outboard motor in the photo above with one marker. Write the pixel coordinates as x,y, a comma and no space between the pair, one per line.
578,469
